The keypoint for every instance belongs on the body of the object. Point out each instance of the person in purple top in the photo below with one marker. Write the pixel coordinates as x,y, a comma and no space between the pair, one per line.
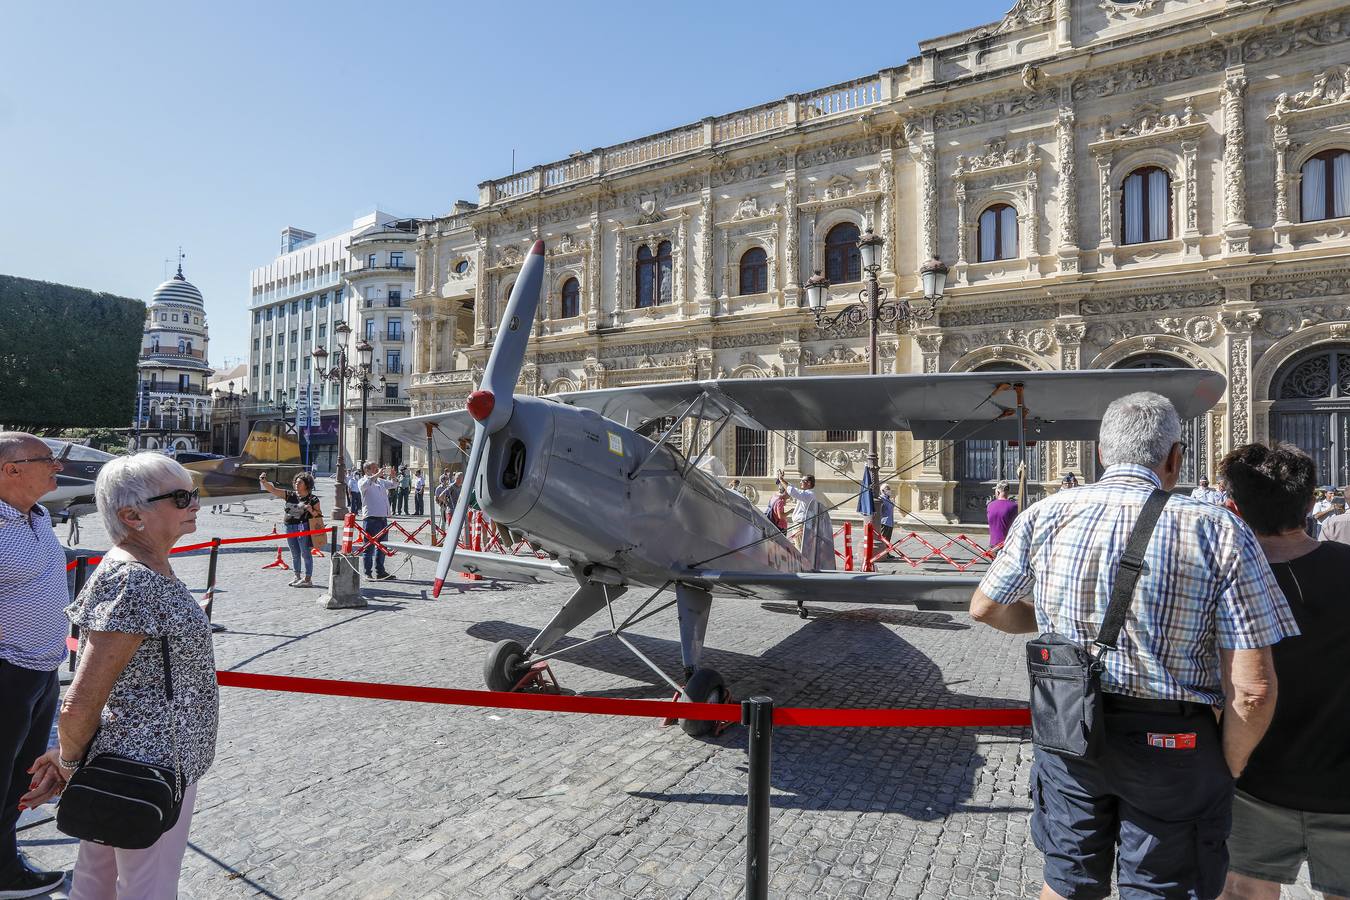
1000,512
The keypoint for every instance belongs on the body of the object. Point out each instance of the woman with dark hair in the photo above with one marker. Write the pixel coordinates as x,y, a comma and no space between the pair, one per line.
1293,800
302,504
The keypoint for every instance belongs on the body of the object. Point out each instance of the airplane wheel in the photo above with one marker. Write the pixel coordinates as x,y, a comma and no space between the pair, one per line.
705,686
504,665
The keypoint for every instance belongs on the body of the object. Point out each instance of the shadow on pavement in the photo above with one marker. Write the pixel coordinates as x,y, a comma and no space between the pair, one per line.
840,660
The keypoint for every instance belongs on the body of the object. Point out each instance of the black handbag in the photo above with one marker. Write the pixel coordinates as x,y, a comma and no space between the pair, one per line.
122,802
1066,690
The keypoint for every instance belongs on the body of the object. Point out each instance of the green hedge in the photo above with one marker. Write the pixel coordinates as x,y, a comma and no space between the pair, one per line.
67,356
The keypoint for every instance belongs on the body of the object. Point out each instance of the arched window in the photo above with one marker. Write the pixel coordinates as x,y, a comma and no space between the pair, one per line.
1312,409
1146,206
843,262
571,298
654,279
1326,186
998,233
646,277
754,271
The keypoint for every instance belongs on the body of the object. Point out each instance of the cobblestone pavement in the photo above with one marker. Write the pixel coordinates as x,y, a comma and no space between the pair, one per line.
333,797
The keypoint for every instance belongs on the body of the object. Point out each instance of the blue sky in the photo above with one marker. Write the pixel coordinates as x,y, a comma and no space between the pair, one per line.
128,129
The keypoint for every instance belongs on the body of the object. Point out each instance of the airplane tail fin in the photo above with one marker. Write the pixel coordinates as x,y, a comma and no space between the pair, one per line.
271,443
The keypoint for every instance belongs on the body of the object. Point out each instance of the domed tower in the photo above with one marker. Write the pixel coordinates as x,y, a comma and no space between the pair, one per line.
174,407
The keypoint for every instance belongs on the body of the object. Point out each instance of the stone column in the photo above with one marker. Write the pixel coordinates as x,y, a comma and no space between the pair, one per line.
791,269
593,257
1068,192
707,305
1236,228
482,293
1239,318
1190,189
931,493
1069,331
962,227
1280,137
886,225
1033,222
1106,210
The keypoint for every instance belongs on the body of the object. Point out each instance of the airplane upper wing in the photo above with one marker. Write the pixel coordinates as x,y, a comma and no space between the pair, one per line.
497,566
1061,405
949,592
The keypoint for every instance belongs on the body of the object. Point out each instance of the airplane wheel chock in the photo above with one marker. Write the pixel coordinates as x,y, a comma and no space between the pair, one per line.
704,686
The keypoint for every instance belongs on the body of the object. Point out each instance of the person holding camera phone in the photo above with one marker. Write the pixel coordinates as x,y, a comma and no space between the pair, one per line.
375,487
302,505
1336,525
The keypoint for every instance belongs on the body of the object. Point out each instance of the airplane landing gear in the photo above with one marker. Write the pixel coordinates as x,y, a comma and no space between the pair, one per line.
801,609
705,686
505,665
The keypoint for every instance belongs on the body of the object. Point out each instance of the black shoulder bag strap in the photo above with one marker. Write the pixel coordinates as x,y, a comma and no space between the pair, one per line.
1128,570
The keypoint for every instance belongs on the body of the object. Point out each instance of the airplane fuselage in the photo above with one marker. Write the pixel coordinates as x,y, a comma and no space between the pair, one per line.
599,494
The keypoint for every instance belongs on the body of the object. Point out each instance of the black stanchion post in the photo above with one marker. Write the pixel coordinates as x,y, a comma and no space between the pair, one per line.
757,716
211,582
81,576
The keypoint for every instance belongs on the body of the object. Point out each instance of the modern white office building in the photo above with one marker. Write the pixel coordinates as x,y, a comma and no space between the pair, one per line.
361,277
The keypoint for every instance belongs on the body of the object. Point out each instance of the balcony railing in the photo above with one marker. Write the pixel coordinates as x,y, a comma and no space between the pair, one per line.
783,115
171,351
165,387
376,302
396,369
393,337
385,267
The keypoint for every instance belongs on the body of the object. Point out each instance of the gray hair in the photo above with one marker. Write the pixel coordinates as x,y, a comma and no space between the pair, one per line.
1140,429
129,481
1002,488
12,443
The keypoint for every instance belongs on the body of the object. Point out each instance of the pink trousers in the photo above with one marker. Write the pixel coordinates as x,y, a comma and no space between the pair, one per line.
106,873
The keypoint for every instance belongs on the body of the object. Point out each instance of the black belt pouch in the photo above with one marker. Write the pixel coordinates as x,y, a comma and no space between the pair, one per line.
1066,696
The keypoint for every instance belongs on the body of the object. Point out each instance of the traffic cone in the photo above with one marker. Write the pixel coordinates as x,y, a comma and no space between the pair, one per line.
277,563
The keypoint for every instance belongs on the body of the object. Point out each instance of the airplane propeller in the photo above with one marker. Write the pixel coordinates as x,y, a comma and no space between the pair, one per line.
492,403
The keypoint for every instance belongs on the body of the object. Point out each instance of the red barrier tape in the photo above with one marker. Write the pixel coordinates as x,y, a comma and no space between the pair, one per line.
187,548
706,712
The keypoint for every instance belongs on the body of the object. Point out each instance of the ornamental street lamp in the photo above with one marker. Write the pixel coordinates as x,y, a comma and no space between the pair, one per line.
873,308
365,353
233,404
340,373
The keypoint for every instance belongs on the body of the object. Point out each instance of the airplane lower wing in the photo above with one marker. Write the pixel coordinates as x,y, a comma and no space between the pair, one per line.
948,592
520,569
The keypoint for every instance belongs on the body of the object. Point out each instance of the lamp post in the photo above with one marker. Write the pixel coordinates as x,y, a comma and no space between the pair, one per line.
365,354
339,373
873,308
142,404
233,404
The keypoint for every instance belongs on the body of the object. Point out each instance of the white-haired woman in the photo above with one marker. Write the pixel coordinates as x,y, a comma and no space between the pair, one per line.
117,702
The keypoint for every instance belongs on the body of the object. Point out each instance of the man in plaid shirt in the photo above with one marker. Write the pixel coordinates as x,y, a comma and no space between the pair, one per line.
1197,638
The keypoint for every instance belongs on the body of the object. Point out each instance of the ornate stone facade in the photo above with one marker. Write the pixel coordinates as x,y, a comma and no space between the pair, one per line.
1051,111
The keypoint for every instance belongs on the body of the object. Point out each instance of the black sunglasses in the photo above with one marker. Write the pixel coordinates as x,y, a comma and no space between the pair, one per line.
181,498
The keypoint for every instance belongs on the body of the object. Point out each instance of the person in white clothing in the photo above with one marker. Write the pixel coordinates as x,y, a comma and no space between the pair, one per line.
1206,494
811,524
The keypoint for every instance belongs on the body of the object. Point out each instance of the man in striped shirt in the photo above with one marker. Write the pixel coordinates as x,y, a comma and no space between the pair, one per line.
1197,638
33,626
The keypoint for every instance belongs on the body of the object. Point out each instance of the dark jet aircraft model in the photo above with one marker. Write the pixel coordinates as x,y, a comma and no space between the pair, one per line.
272,449
617,509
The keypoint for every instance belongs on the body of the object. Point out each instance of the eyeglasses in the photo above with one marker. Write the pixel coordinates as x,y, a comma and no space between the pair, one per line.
181,498
49,460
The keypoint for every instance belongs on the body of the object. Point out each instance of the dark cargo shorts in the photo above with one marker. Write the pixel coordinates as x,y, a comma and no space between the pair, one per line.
1166,800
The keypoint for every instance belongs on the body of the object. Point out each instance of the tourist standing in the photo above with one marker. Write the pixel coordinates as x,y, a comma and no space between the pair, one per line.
354,490
814,536
131,609
419,493
1293,799
1206,494
302,505
887,519
1154,799
33,626
1000,513
1336,525
375,487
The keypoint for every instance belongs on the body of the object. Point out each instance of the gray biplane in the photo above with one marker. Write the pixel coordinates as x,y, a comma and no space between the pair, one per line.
577,475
